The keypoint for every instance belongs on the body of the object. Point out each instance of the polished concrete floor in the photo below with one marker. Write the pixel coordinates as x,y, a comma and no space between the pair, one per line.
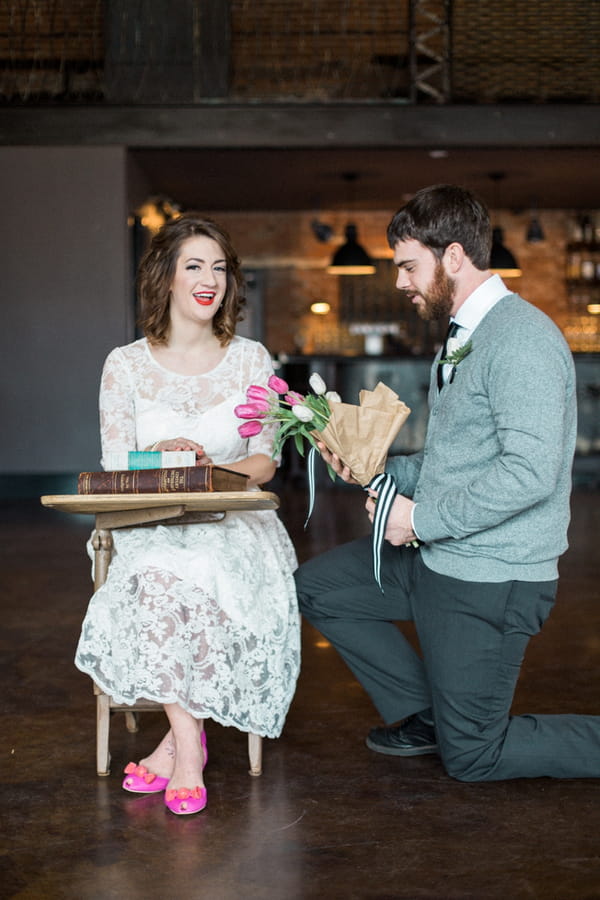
328,818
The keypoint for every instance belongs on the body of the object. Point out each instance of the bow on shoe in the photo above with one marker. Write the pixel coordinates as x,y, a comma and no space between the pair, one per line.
184,793
141,772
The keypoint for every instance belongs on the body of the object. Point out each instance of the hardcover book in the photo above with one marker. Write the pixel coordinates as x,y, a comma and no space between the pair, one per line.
162,481
147,459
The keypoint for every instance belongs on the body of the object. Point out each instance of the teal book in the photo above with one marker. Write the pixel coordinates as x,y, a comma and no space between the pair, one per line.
147,459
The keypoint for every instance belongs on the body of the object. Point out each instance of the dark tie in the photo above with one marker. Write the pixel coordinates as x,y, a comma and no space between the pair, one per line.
452,330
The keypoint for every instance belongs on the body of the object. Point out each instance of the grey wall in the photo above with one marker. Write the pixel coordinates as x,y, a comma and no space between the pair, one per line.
65,297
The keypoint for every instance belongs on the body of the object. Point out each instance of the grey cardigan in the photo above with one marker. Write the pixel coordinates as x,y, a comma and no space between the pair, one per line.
493,481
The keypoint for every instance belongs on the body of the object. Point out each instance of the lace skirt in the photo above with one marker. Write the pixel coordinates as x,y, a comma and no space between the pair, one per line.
201,615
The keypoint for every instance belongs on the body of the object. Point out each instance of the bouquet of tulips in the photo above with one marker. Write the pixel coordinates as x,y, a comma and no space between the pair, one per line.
299,416
360,435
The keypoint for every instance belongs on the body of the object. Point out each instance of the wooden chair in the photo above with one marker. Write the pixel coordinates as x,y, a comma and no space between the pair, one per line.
137,511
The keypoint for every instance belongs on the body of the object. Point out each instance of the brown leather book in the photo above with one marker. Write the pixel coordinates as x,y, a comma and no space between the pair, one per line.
162,481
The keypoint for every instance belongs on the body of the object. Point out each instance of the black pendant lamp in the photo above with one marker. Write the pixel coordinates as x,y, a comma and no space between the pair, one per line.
502,261
535,232
351,258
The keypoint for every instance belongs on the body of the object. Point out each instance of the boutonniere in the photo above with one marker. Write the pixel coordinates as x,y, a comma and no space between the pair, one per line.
455,355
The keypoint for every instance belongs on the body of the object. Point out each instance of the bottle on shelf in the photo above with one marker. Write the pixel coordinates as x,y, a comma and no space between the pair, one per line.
588,264
583,261
581,327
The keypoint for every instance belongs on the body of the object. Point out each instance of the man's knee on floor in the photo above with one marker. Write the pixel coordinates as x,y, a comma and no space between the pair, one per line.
470,746
474,764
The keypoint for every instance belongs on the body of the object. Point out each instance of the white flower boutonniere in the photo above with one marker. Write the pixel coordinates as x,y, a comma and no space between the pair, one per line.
455,355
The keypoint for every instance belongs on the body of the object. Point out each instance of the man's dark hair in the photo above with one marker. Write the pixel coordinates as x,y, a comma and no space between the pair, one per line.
443,214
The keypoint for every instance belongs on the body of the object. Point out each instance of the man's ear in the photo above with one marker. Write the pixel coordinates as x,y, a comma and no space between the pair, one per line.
454,257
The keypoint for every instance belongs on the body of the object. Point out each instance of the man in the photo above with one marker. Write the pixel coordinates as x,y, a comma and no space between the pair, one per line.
487,499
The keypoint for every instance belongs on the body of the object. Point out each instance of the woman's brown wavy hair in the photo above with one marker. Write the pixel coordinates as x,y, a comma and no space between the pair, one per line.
157,270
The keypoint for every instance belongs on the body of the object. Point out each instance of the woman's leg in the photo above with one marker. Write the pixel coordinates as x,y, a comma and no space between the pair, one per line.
185,736
188,760
162,759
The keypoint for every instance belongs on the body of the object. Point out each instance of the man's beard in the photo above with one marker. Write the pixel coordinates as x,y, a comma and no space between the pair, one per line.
439,296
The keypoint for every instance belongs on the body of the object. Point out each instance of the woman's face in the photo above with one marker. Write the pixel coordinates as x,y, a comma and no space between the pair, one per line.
200,280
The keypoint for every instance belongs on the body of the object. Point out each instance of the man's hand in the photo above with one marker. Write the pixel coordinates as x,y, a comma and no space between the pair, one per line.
399,527
336,464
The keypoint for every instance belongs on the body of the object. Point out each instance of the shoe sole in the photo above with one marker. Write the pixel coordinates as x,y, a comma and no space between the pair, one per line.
426,750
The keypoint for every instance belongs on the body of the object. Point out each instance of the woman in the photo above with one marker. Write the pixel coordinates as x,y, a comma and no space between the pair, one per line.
201,618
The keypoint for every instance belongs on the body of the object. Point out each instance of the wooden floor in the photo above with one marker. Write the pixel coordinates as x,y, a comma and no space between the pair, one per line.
328,818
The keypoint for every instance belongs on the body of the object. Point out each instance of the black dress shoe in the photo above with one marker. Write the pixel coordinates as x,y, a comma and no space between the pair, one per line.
413,737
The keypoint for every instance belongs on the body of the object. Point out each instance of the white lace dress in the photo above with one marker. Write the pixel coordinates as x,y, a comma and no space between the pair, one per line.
202,615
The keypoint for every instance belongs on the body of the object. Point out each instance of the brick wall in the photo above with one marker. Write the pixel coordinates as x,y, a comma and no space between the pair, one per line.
284,245
534,51
51,48
333,50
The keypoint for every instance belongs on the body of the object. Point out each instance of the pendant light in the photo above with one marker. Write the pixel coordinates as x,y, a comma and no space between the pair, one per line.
535,232
502,261
351,258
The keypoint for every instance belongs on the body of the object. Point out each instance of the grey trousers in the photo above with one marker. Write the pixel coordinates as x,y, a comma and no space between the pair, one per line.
472,638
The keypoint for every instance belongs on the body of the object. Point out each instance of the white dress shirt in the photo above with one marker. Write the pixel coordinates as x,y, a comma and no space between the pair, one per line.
472,311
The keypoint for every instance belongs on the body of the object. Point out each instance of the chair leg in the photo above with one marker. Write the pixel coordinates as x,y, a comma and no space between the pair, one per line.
102,731
255,754
132,722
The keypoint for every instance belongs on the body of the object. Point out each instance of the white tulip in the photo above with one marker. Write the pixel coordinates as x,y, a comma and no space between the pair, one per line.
302,412
452,346
317,383
333,397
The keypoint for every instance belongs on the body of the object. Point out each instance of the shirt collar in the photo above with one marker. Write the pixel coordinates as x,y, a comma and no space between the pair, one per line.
479,303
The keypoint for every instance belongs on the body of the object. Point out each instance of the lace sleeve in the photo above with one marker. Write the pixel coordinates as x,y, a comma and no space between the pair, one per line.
117,406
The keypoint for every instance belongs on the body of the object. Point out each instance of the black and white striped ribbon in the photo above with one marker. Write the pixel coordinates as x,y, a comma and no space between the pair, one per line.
386,493
385,486
310,470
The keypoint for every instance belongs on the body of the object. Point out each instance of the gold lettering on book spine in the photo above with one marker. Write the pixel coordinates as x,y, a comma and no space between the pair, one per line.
124,484
170,480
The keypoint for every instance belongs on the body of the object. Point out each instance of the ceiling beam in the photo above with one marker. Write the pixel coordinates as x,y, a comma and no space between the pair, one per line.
301,126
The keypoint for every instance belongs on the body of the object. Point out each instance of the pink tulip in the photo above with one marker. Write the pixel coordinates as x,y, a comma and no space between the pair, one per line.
293,397
256,392
278,385
249,429
256,410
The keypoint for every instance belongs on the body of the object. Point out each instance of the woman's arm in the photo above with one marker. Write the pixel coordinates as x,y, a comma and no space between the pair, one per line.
260,467
117,406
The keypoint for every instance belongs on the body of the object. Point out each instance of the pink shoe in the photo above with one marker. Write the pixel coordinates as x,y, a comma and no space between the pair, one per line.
185,801
138,780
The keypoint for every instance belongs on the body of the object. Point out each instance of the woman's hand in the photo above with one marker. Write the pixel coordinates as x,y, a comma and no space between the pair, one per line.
181,443
336,464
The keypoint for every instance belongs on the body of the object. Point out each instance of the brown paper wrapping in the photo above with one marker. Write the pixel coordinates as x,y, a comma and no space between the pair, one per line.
362,435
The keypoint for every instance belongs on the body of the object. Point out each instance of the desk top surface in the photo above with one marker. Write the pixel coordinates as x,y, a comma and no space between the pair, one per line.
211,501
